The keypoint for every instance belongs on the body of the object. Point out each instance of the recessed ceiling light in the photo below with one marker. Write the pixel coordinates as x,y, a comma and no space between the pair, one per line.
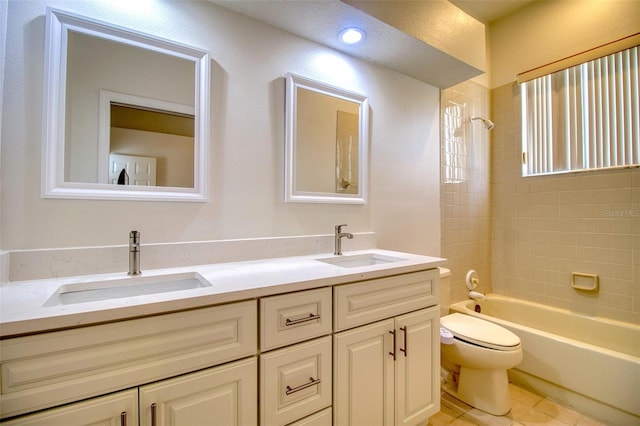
351,35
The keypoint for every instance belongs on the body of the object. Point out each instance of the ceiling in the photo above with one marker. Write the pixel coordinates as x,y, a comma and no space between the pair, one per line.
389,44
386,45
487,11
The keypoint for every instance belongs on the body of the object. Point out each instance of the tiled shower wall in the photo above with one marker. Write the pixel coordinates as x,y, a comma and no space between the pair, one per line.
465,204
546,227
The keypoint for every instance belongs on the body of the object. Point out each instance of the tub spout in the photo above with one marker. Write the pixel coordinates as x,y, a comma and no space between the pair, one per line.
476,295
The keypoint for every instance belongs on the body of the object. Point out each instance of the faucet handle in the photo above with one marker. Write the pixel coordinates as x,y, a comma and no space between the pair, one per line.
339,227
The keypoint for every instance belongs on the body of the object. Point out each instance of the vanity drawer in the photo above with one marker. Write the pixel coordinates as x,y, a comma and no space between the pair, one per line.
368,301
295,381
294,317
54,368
322,418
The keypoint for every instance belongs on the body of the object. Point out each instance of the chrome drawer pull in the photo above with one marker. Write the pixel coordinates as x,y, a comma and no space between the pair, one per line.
311,317
311,382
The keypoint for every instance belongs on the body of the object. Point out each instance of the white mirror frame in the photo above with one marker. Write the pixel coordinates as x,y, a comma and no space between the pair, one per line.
59,23
293,195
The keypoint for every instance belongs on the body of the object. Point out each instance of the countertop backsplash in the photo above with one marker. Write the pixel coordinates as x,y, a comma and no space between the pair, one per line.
67,262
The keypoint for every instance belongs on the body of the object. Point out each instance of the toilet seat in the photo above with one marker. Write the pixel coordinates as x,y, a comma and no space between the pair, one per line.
480,332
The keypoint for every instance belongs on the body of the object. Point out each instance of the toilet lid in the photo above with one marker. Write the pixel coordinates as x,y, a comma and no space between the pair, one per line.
480,332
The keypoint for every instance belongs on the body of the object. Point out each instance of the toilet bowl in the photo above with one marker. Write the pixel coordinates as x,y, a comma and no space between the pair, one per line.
475,356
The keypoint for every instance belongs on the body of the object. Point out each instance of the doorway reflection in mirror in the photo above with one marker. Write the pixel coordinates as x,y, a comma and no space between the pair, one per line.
156,147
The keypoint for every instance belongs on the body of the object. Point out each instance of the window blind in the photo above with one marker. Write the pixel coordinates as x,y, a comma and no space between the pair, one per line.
583,117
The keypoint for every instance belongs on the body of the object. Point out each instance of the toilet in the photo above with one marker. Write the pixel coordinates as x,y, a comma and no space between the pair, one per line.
475,357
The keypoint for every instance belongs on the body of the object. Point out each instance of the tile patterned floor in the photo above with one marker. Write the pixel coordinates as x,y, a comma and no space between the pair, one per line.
528,409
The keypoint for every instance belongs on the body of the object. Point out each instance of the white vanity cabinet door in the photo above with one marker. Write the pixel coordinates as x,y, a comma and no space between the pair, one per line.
294,317
417,366
364,376
372,388
295,381
219,396
120,408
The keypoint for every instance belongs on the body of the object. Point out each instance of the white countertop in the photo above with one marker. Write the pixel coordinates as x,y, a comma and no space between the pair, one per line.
23,307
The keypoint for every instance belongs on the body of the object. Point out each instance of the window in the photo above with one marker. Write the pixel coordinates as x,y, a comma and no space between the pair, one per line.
583,117
454,149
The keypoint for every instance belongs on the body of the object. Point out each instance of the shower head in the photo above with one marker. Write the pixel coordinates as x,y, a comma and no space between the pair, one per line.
488,124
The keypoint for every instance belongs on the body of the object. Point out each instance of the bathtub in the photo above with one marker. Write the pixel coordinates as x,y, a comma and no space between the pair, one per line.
590,363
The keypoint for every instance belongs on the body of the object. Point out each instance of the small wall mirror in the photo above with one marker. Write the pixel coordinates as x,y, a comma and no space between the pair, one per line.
326,143
126,114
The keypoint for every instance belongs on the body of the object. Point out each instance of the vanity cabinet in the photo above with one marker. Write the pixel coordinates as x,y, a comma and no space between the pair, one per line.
386,372
360,353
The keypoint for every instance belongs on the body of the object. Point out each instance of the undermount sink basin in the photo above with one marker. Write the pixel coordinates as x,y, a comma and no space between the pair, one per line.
358,260
126,287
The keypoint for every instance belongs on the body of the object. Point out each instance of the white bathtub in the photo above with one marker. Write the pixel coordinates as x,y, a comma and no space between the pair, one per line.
590,363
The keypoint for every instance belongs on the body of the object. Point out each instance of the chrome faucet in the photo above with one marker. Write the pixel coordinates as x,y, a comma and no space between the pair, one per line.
134,253
338,239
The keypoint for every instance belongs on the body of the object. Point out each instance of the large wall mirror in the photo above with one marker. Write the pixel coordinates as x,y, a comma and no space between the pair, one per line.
326,143
126,114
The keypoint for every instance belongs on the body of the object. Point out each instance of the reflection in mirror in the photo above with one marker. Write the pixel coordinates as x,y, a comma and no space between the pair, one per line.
127,114
347,152
151,147
326,143
153,141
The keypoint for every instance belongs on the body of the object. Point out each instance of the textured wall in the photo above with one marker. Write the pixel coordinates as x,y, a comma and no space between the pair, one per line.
547,31
249,61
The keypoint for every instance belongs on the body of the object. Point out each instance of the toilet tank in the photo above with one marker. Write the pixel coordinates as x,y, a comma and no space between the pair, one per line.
445,290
